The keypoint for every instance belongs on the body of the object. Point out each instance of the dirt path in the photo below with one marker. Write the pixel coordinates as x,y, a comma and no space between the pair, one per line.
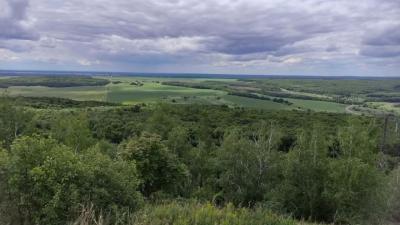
349,109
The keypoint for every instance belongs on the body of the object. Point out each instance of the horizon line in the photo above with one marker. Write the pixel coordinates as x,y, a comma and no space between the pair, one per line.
2,71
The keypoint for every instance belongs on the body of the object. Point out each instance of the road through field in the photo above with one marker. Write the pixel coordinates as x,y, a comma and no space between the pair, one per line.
349,109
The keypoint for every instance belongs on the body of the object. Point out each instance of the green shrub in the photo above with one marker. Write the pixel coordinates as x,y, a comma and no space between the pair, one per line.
157,166
45,182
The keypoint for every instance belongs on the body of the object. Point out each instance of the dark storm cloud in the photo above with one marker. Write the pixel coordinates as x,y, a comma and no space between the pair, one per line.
13,21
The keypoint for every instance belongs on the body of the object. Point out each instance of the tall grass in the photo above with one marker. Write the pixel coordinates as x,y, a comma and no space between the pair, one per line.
187,214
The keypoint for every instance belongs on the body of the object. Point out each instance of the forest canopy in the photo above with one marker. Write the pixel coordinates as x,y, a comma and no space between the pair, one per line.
184,164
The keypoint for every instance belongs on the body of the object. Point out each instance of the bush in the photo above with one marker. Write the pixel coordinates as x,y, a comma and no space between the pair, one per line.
158,167
249,166
301,190
45,182
346,189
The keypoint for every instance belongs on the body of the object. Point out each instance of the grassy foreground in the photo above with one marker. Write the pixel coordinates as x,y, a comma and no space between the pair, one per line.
192,214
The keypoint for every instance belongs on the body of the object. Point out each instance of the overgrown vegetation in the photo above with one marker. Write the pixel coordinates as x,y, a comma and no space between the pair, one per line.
191,213
194,164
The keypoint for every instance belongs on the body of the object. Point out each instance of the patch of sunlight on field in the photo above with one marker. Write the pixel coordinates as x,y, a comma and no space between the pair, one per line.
96,93
386,106
306,94
152,92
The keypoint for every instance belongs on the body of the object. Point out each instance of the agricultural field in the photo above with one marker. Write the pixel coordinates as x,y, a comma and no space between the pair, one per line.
152,91
321,95
134,90
338,86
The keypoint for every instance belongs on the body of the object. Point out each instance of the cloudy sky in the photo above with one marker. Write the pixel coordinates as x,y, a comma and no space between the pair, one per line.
311,37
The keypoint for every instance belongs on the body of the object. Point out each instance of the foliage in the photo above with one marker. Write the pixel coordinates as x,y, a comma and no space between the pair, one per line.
73,131
249,163
158,167
52,81
341,188
116,125
56,103
46,182
14,121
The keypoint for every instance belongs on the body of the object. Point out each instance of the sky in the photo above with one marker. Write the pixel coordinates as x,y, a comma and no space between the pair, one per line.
290,37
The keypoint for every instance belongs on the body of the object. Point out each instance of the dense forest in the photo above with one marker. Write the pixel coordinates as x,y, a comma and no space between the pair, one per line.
67,162
52,81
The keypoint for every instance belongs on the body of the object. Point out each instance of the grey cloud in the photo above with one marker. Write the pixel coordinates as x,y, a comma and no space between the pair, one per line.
178,31
390,36
381,51
383,44
13,24
17,45
18,8
247,44
236,28
332,48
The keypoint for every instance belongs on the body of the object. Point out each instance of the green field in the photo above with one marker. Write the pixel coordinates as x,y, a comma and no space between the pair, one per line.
254,103
319,105
151,90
